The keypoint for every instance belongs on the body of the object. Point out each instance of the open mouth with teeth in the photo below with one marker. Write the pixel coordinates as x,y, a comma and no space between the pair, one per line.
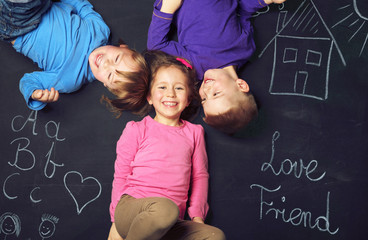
170,104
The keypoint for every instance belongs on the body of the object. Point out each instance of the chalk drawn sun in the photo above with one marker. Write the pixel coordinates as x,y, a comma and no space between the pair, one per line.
356,18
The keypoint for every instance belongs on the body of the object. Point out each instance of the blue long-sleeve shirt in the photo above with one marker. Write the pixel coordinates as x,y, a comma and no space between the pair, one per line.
61,45
210,33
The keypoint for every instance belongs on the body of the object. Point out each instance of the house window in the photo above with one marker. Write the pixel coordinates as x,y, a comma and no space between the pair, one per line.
313,58
290,55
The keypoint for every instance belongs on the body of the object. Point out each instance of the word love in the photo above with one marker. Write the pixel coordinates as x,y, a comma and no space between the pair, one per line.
296,216
288,167
25,159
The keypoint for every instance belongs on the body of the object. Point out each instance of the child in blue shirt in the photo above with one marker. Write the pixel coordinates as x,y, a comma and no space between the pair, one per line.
68,40
217,37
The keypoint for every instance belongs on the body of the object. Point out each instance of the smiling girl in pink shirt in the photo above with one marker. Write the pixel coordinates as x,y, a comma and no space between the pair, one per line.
158,160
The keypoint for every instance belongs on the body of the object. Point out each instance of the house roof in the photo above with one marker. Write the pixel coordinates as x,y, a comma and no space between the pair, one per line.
305,23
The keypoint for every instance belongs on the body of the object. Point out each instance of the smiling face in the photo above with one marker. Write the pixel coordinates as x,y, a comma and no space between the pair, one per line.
105,61
169,95
8,226
47,229
220,91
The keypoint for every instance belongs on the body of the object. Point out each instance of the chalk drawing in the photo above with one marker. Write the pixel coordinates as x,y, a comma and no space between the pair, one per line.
75,195
355,18
266,9
295,216
31,195
47,226
288,167
50,163
9,224
31,118
23,163
303,48
4,186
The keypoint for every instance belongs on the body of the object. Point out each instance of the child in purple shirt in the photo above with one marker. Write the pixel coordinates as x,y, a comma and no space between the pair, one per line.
217,37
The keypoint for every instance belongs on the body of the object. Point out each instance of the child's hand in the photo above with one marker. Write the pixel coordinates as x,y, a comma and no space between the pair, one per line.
114,235
274,1
170,6
197,220
45,95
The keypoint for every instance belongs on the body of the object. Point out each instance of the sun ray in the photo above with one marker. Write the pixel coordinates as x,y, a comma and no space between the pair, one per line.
364,44
356,31
344,7
342,20
354,23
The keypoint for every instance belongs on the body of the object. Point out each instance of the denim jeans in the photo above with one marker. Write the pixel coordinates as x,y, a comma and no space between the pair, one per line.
18,17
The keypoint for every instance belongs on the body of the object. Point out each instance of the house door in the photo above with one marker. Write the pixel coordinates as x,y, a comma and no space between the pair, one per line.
300,82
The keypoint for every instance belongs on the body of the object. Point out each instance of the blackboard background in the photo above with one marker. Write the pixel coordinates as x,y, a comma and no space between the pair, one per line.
331,132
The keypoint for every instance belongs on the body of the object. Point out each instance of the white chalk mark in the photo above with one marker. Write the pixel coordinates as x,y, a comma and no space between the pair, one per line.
4,185
80,208
31,195
356,32
342,20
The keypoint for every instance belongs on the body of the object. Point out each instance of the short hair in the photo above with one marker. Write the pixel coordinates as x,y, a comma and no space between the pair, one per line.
236,117
131,91
157,59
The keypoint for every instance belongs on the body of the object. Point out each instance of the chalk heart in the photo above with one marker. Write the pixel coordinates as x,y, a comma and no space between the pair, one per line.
75,195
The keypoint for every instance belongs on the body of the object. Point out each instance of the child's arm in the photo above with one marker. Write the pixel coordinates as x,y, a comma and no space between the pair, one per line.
45,96
84,9
198,205
38,88
126,149
274,1
170,6
160,27
248,7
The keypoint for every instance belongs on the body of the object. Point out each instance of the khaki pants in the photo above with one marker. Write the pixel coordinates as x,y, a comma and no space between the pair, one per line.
157,218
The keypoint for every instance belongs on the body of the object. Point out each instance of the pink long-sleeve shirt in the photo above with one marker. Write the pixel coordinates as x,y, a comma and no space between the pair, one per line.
156,160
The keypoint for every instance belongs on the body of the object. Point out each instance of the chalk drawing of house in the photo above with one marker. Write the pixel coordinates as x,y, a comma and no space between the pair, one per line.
302,54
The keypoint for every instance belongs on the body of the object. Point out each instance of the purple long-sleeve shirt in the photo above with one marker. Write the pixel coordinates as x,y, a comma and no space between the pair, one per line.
211,33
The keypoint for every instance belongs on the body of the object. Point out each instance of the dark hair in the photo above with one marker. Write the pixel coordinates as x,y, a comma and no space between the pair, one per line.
235,118
132,90
157,59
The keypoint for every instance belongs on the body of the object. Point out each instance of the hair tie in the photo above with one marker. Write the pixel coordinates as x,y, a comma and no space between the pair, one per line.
184,62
